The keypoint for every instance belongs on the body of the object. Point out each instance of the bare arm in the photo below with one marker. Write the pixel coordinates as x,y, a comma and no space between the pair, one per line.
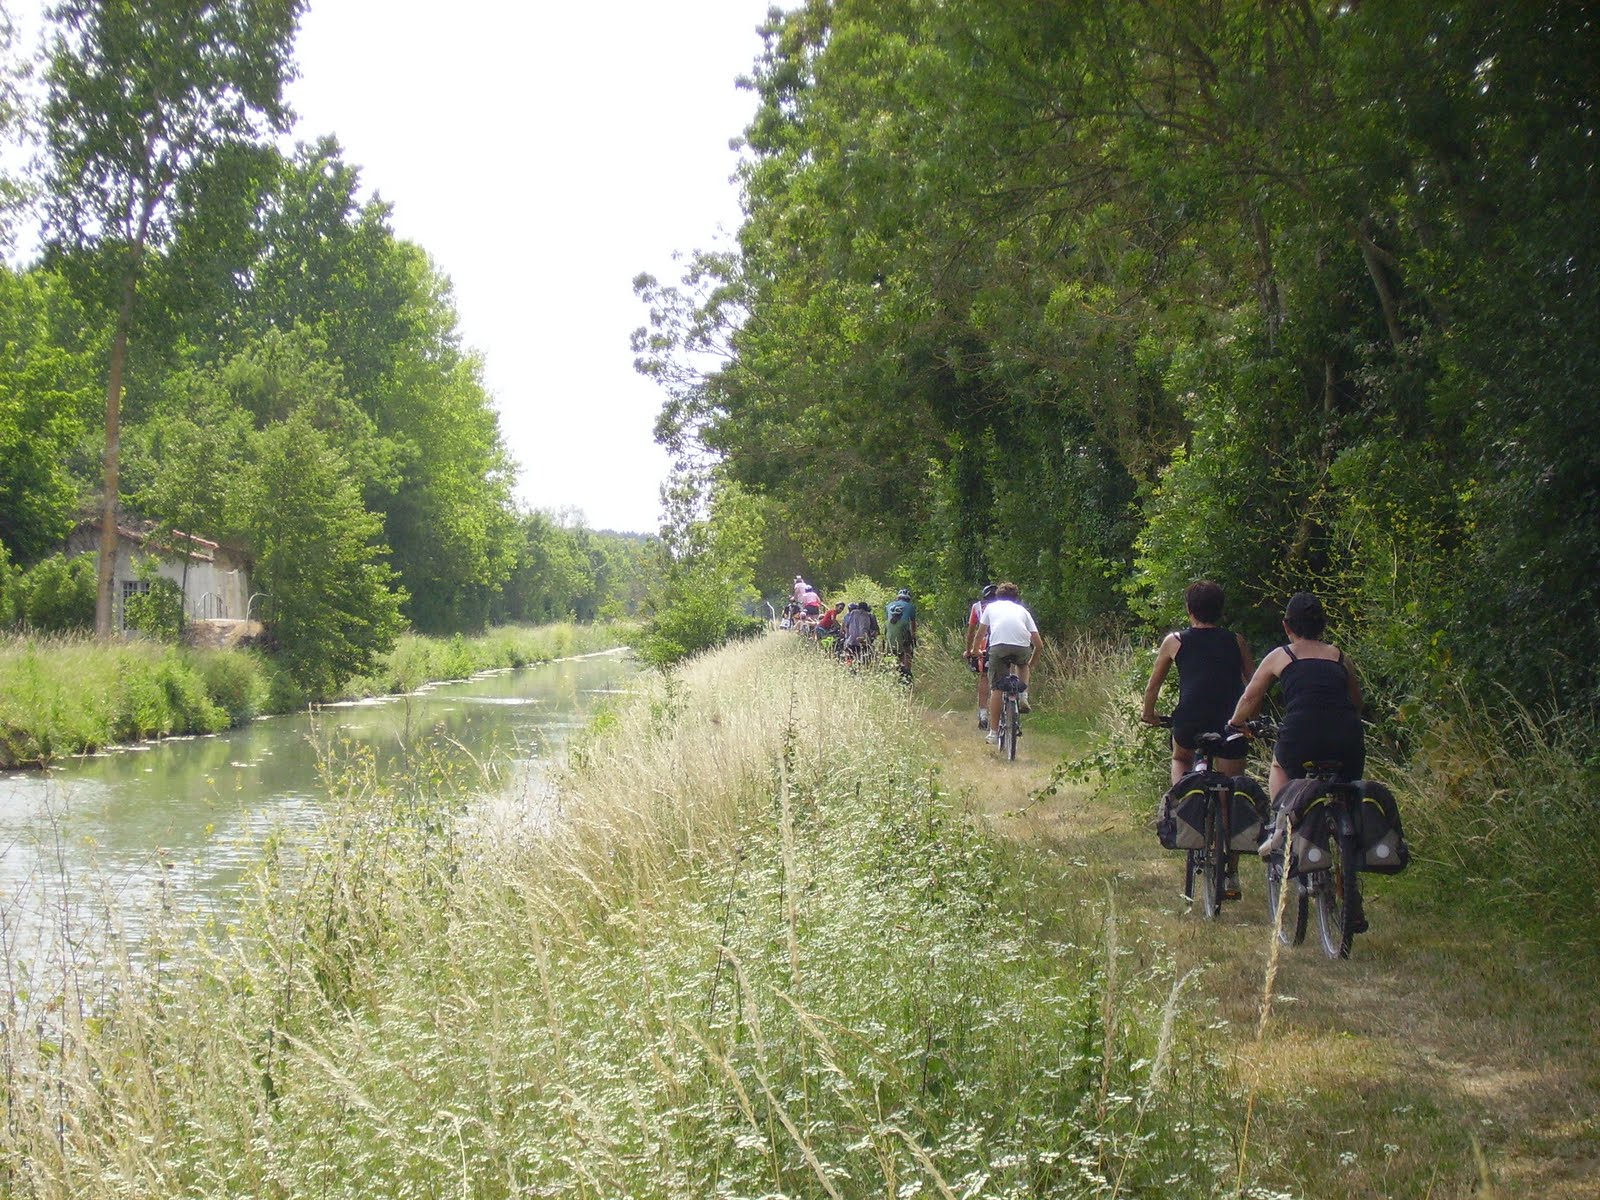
1355,684
1256,690
1158,676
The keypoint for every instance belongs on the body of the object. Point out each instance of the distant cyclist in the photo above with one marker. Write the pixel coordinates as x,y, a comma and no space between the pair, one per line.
1013,638
977,651
860,630
900,635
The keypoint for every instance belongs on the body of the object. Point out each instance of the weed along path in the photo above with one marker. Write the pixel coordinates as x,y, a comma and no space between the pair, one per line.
1446,1058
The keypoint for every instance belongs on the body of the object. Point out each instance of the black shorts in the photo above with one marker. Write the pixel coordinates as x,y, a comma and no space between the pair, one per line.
1333,740
1186,727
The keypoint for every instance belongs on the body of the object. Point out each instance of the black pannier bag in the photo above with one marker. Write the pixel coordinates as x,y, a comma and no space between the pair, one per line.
1182,823
1304,803
1383,838
1247,814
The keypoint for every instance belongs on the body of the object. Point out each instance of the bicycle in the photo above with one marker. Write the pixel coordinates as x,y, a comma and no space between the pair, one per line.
1222,837
1010,729
1324,860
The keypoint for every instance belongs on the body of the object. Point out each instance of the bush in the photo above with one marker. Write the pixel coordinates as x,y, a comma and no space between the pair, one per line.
157,613
236,681
57,594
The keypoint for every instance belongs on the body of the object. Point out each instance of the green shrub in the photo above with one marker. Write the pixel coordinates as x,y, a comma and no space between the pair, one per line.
57,594
235,682
157,613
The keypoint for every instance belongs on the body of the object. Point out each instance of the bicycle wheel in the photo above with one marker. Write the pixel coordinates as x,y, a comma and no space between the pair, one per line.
1292,929
1190,863
1214,866
1013,725
1335,888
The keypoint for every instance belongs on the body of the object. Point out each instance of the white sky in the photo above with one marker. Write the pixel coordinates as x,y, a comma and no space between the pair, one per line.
543,154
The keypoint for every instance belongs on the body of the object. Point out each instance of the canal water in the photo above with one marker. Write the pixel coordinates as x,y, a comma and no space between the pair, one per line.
90,845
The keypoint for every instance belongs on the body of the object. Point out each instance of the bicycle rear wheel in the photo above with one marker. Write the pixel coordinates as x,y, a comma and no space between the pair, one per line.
1337,901
1292,929
1013,725
1214,868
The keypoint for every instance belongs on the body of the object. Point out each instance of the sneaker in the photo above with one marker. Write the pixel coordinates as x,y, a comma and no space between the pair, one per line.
1272,845
1022,702
1230,888
983,718
992,738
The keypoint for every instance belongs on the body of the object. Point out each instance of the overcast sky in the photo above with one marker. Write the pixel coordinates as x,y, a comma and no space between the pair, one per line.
544,154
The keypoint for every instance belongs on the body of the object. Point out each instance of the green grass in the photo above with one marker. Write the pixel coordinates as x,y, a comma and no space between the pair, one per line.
727,956
71,694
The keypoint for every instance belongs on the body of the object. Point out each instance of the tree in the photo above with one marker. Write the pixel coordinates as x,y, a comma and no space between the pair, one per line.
330,600
144,96
712,538
46,408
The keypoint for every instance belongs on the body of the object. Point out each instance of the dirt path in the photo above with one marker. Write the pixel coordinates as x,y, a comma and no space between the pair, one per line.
1378,1074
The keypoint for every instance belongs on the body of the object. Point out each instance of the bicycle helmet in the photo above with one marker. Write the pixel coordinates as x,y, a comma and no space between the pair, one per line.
988,591
903,594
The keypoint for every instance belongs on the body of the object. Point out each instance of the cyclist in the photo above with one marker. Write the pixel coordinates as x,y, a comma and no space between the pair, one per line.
1213,666
901,635
1013,637
977,651
831,621
810,601
860,630
1321,702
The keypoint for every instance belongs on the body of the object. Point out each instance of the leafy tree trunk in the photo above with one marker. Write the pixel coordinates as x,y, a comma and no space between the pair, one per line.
103,609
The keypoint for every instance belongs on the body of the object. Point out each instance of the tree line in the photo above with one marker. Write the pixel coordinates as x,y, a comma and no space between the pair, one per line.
1107,298
228,338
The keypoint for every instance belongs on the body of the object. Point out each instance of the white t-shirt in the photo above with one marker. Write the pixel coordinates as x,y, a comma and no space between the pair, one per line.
1009,624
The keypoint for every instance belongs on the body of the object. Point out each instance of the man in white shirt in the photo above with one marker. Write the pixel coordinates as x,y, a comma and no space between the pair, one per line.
1013,637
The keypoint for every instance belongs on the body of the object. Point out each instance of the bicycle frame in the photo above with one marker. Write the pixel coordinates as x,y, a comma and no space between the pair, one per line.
1010,712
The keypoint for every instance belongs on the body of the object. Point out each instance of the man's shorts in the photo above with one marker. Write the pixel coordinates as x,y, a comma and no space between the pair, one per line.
1001,658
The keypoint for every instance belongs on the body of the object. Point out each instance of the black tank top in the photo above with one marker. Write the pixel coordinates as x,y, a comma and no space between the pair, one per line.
1315,688
1210,671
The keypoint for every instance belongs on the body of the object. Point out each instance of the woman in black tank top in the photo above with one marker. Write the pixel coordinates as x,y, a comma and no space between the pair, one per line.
1321,698
1213,664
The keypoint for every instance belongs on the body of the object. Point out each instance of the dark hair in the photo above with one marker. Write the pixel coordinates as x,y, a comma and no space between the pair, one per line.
1204,599
1304,616
1006,591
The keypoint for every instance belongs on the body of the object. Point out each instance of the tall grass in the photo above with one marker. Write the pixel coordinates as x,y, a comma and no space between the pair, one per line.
745,946
1501,809
71,693
416,659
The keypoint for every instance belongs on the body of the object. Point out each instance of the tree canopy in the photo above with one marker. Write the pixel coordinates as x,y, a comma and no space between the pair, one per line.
1108,298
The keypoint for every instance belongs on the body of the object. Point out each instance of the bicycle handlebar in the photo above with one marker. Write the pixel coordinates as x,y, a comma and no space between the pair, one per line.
1255,727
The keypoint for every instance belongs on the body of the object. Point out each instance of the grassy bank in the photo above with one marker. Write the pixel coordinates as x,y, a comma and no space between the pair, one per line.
749,945
67,695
